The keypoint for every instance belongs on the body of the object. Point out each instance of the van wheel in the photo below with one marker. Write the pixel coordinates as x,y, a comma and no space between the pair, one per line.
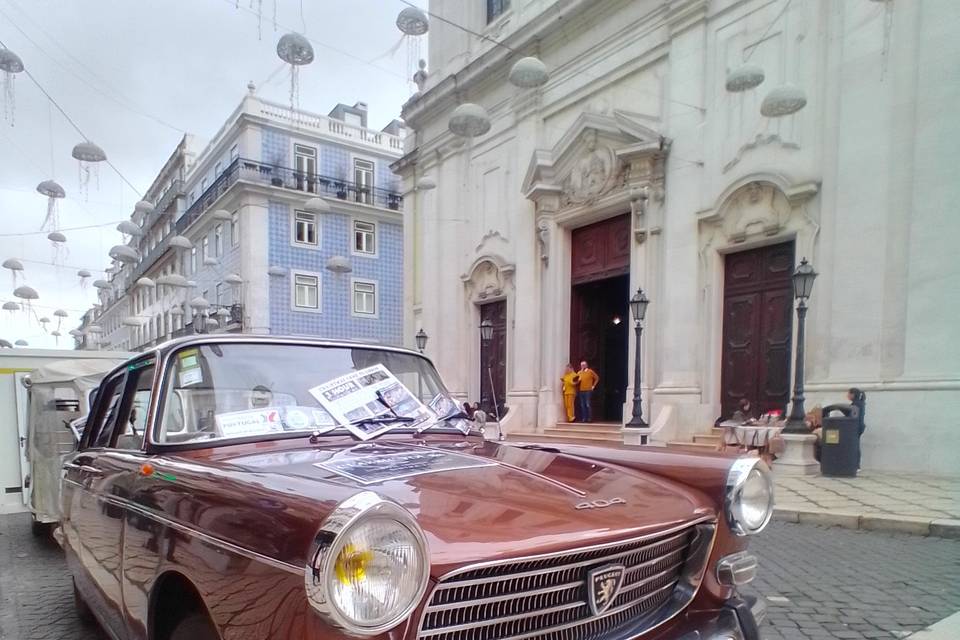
82,609
196,626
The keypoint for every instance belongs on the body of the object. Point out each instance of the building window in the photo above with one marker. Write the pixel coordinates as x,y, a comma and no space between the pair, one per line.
193,259
234,152
364,237
216,170
305,229
306,291
364,297
192,197
219,293
496,8
204,249
363,178
203,185
235,228
218,239
305,167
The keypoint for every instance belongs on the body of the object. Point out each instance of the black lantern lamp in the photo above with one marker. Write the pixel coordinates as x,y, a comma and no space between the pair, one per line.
421,339
638,307
486,330
803,279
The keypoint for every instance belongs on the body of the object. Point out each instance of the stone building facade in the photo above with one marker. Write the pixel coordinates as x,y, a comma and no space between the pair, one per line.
635,167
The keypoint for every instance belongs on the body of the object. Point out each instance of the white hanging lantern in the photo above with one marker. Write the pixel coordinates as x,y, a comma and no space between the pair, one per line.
210,261
181,242
317,205
10,65
528,73
55,333
5,344
426,183
75,333
223,312
413,21
22,343
88,155
83,273
131,321
211,323
744,78
56,237
26,293
222,215
60,313
11,306
469,120
44,320
783,101
94,329
101,284
191,284
233,279
338,264
145,283
143,208
295,50
276,272
124,253
130,228
176,310
15,267
54,192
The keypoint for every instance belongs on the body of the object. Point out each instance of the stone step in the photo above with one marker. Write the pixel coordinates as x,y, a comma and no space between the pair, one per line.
692,446
610,427
710,439
614,436
546,437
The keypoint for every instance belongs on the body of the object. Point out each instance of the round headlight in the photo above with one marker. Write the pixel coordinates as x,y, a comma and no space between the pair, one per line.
749,499
369,567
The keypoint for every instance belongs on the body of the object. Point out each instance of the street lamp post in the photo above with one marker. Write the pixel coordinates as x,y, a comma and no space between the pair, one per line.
803,279
638,307
486,335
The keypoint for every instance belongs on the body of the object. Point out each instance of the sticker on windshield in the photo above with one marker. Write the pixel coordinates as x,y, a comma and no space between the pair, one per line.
365,402
370,468
191,376
253,422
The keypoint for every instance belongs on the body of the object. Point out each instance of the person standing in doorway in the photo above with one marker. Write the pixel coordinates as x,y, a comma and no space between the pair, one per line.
588,382
570,382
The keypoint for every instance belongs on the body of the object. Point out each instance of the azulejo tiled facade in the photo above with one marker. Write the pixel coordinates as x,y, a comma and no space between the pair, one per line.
256,259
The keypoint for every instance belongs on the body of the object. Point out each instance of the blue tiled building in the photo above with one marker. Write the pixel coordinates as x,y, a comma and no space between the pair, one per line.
238,243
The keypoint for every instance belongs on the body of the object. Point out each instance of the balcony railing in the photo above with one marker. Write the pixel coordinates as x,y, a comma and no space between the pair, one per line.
290,179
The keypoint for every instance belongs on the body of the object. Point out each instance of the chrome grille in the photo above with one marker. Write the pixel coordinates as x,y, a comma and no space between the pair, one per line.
545,598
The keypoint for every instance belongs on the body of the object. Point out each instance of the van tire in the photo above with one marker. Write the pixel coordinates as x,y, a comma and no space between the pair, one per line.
39,529
196,626
82,608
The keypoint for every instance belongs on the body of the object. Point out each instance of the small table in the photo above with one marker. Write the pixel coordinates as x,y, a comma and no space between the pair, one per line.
752,437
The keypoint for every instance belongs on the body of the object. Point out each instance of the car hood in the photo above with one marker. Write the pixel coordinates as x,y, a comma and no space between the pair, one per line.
481,500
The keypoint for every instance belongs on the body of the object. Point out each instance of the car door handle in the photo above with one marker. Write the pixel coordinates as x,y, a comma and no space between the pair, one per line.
69,466
93,471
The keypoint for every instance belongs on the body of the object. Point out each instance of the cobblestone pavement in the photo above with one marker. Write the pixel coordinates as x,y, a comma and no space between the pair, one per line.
819,583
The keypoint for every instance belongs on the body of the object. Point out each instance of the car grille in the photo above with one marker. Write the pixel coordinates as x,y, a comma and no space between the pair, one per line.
546,598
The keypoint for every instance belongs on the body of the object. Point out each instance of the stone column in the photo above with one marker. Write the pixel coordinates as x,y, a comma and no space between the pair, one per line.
254,263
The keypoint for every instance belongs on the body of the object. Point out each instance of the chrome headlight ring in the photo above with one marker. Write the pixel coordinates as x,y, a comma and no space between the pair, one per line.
349,516
748,479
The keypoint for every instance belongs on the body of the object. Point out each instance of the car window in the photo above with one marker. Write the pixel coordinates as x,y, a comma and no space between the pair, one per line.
130,429
100,427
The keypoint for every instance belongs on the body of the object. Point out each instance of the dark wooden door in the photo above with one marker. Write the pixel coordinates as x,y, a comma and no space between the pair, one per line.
493,359
757,328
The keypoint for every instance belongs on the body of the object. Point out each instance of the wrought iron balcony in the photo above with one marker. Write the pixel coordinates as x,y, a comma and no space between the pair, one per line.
290,179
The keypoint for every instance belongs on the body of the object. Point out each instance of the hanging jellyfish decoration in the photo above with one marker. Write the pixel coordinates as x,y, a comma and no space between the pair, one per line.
15,267
88,155
28,295
295,50
412,23
54,192
130,230
44,321
84,275
57,241
56,336
11,307
59,314
10,65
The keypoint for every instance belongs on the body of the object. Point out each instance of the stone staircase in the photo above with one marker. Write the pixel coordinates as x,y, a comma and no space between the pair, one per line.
701,442
589,433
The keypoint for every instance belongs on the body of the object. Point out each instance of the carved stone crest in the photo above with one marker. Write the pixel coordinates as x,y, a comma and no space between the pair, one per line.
591,175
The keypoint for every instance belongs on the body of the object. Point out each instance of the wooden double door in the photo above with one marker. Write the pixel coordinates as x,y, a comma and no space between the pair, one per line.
757,328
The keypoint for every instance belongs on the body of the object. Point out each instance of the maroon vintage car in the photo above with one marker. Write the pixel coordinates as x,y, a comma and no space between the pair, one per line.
245,487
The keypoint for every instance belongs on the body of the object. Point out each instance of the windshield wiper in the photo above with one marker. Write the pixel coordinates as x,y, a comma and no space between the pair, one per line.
455,415
383,420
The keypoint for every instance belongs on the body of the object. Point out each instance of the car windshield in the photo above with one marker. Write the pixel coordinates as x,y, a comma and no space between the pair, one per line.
240,390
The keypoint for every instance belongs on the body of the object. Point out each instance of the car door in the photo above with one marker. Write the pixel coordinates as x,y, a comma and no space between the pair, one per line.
90,541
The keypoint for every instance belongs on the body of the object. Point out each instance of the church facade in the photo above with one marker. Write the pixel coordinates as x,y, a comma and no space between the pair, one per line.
635,167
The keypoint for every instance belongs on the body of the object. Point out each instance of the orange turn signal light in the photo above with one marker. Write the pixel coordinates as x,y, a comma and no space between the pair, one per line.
146,469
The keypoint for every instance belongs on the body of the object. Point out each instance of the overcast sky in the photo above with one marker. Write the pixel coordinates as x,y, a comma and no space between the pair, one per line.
135,75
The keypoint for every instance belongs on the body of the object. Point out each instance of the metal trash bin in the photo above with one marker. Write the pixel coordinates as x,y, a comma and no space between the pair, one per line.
840,441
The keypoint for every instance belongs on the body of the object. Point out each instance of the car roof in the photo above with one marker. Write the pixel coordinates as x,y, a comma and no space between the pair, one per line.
249,338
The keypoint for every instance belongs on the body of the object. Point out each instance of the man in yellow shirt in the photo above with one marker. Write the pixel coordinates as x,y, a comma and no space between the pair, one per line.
588,382
571,383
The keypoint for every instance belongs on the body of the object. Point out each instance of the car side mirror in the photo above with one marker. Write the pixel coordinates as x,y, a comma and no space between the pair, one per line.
77,432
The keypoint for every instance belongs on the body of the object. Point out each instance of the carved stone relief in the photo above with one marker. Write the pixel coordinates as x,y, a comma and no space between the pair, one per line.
487,279
592,175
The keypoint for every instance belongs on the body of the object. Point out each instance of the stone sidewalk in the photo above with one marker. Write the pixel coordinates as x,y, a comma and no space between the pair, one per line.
903,502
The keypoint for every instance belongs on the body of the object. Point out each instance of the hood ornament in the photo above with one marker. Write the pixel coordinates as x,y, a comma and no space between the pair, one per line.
604,584
600,504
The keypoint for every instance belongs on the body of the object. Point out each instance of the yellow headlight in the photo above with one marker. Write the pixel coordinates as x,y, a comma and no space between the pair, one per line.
351,564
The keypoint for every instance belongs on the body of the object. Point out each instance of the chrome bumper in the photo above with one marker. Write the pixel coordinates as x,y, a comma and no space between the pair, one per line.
739,619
